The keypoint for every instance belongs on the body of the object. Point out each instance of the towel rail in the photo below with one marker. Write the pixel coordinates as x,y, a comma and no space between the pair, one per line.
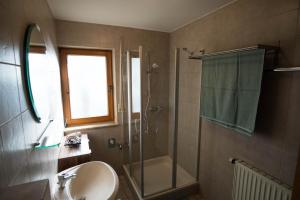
270,58
259,46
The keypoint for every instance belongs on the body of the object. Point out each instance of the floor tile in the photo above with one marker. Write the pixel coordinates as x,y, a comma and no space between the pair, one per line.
125,193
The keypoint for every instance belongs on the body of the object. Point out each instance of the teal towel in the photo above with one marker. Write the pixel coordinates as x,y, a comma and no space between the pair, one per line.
230,89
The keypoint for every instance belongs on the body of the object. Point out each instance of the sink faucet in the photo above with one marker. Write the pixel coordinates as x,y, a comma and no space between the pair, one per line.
63,178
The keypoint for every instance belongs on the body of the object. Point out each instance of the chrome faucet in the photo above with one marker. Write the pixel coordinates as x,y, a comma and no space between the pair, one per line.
63,178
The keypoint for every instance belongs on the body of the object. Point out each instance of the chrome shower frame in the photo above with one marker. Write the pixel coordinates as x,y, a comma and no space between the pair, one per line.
139,189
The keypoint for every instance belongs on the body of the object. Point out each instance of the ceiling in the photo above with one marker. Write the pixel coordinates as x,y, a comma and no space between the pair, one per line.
158,15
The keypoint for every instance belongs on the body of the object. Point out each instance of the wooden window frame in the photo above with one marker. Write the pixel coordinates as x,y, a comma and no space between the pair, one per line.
37,49
64,52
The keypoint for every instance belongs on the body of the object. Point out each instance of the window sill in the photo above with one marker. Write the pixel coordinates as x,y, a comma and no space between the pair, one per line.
90,126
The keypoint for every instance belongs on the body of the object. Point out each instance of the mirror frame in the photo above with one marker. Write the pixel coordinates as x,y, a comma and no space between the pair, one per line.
26,50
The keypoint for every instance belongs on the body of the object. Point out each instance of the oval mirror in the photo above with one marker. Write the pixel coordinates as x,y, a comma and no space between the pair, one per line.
35,73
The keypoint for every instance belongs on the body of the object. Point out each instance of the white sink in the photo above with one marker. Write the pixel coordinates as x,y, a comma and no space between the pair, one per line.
94,181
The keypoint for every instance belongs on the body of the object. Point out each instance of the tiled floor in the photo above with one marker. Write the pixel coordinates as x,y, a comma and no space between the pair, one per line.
193,197
126,194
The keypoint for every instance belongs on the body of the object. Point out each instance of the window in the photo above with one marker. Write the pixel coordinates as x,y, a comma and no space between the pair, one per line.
87,86
135,85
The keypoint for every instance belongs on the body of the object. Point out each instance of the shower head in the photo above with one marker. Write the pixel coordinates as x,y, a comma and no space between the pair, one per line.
152,67
155,65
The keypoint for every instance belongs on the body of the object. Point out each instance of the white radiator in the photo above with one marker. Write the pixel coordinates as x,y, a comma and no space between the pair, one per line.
252,184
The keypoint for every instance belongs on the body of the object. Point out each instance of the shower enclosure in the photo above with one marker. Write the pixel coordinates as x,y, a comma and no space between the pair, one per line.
163,155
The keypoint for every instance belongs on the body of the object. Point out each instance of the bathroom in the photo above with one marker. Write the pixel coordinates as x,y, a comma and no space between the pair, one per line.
154,141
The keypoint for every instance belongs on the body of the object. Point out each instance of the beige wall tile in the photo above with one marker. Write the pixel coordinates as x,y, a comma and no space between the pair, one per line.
3,174
9,104
296,61
21,162
156,45
13,147
274,146
18,28
21,89
31,133
6,42
34,167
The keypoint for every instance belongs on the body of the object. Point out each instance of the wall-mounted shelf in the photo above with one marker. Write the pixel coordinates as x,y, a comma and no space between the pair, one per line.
47,139
287,69
72,156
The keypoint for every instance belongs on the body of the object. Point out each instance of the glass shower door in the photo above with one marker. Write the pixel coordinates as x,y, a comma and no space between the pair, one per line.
187,109
134,107
159,160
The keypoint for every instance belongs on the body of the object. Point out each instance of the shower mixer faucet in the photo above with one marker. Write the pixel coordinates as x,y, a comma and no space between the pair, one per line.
63,178
156,108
